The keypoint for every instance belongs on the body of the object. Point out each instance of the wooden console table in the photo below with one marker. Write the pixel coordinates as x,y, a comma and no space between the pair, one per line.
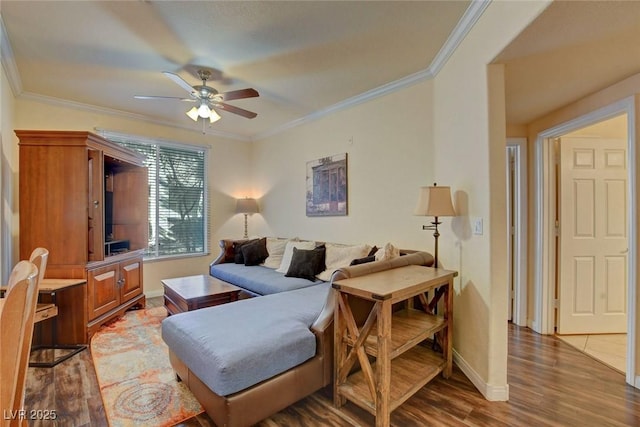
46,311
401,366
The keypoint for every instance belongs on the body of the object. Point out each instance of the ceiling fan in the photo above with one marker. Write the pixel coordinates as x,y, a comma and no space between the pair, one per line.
207,99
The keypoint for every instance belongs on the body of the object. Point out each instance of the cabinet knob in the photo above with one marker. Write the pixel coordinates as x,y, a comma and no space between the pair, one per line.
96,203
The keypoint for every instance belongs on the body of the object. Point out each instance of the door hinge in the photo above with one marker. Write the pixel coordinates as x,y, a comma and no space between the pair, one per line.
557,228
556,303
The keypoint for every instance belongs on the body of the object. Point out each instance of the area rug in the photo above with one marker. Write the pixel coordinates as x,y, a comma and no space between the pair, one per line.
137,383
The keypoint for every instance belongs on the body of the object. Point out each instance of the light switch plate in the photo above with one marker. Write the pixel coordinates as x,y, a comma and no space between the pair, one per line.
477,226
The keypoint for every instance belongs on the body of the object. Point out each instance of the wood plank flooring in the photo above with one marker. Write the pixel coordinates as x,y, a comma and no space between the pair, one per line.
550,384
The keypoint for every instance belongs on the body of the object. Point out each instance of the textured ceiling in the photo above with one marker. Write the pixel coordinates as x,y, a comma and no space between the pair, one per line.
304,57
301,56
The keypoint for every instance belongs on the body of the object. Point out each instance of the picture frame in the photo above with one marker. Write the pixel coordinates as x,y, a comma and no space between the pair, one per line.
327,186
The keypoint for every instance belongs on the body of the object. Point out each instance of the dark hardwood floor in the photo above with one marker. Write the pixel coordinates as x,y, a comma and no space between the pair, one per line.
550,384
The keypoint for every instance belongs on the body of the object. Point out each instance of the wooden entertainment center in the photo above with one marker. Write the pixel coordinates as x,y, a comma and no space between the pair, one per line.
85,199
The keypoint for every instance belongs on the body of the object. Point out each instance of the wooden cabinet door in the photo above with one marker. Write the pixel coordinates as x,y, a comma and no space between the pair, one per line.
95,208
130,215
103,293
130,279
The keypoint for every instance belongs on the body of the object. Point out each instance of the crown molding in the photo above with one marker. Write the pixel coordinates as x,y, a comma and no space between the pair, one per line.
464,25
462,28
133,116
8,61
348,103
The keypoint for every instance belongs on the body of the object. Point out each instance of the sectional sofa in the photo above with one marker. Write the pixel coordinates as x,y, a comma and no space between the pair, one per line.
249,359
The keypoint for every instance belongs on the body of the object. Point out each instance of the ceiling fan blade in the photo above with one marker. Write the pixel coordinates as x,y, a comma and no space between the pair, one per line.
239,94
179,81
164,97
235,110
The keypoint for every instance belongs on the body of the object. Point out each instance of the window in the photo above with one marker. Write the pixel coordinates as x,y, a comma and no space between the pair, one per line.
177,195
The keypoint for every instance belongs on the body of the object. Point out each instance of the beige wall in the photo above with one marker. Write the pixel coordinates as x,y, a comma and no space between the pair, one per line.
228,174
390,155
615,127
449,130
8,169
470,143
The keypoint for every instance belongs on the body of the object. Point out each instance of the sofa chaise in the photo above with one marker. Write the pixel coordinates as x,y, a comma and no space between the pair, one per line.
249,359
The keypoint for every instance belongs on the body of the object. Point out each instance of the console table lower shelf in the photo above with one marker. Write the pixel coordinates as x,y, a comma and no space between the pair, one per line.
387,342
409,372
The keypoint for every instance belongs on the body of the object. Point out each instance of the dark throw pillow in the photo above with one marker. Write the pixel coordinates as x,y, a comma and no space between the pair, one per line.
363,260
238,257
372,251
229,253
306,263
255,252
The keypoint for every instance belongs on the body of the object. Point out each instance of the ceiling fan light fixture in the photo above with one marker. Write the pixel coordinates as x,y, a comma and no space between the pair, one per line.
204,111
208,98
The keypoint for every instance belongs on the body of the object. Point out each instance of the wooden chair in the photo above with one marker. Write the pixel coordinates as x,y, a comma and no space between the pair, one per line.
17,308
39,258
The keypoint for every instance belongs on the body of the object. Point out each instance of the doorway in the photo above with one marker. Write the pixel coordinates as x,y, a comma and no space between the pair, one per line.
592,244
517,229
547,250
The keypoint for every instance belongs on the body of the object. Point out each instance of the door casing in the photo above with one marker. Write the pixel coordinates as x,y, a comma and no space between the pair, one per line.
544,223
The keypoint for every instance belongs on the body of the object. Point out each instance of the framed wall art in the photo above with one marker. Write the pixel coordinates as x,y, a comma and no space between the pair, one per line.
327,186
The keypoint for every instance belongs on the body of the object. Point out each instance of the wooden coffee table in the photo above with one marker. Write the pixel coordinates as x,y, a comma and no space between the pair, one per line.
193,292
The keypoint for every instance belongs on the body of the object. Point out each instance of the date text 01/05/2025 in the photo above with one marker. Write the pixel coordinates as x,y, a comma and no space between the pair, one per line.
32,414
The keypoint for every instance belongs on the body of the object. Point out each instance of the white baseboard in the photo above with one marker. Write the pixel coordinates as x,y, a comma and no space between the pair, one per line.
490,392
153,294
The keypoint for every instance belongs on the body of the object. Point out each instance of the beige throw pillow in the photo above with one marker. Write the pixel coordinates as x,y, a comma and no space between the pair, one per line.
338,256
288,253
275,247
387,252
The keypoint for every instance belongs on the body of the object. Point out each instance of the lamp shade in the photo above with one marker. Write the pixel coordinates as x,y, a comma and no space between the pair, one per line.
203,111
435,201
247,206
213,116
193,114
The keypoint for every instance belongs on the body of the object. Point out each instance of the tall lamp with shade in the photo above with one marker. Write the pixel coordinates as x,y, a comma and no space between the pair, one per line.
436,202
246,206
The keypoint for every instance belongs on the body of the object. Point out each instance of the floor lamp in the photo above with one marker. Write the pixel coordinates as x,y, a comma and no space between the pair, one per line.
247,207
436,202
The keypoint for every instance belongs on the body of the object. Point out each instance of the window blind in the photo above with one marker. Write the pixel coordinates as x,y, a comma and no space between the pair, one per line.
178,208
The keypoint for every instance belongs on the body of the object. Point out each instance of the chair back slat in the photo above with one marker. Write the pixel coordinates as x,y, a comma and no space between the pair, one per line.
39,258
16,323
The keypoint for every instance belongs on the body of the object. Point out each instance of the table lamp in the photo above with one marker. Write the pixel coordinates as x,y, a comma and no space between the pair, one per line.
246,206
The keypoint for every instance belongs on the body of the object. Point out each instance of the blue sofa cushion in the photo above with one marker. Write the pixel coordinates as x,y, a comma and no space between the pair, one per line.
258,279
233,346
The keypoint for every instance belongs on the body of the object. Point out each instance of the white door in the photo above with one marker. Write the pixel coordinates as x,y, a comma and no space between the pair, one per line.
593,236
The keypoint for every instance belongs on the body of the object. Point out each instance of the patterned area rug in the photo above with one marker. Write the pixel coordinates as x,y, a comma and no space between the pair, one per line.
137,384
